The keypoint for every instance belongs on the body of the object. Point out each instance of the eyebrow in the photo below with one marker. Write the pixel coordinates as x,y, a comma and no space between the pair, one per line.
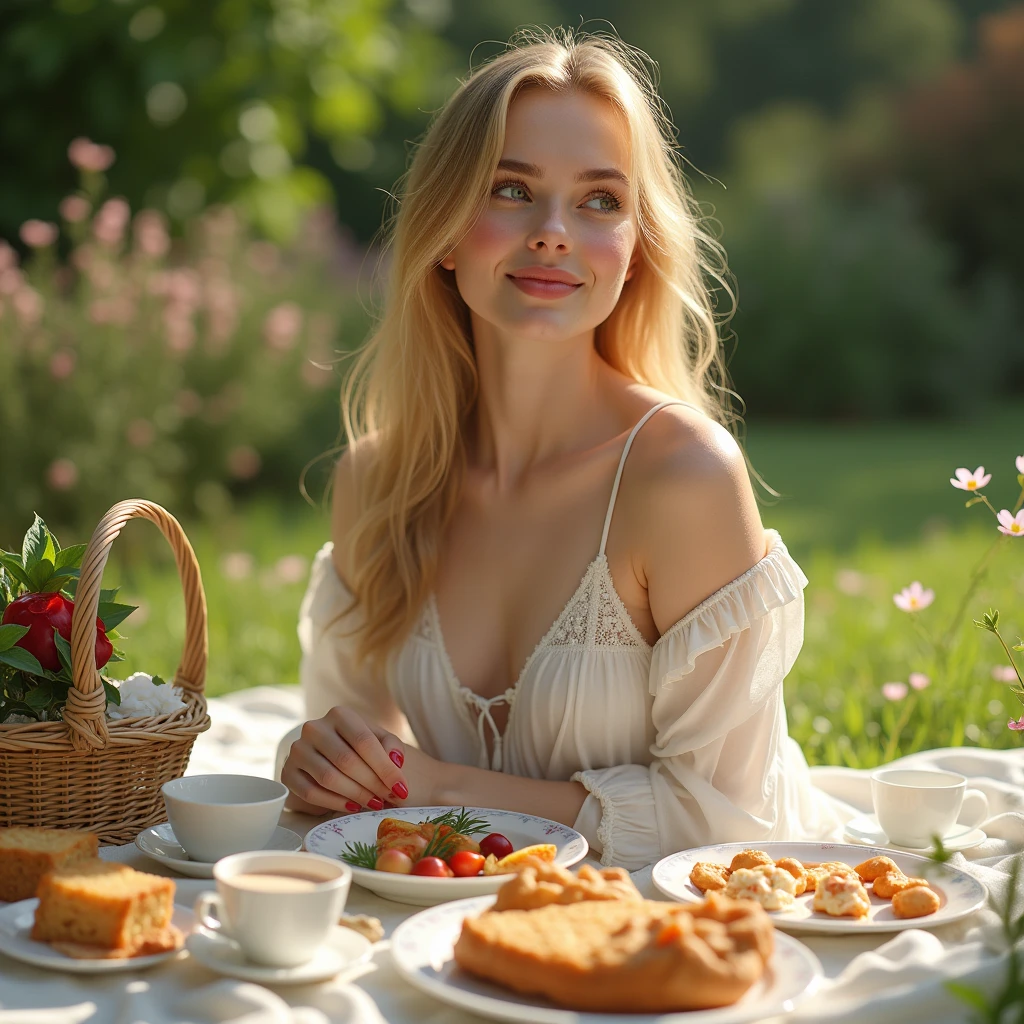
533,171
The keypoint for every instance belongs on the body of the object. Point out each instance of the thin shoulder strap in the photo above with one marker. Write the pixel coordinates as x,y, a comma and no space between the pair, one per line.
622,462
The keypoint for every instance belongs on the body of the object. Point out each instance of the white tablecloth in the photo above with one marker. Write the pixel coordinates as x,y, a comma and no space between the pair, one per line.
869,978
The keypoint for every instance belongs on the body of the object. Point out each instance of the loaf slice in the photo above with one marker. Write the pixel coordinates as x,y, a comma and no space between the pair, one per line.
26,854
97,903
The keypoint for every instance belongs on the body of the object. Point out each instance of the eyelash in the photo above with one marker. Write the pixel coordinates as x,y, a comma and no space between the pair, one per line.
599,193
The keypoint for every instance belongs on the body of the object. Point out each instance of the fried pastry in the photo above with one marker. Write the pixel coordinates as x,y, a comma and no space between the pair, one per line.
870,869
841,895
540,884
917,901
750,859
892,882
817,873
796,869
622,955
707,876
771,886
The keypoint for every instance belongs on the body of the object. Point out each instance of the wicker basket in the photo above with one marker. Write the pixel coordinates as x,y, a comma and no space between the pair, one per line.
88,772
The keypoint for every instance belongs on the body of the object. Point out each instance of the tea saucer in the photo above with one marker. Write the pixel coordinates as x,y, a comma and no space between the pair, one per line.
160,843
343,949
866,830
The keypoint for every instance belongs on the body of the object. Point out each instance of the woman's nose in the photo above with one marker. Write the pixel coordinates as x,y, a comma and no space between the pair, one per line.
550,233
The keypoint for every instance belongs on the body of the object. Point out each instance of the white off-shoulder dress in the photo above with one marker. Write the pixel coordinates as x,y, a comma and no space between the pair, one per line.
679,745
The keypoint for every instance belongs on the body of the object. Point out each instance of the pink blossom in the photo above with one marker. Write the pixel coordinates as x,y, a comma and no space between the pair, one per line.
244,462
851,582
119,310
919,681
62,364
968,481
263,257
74,209
236,565
282,325
180,332
1017,726
140,433
1004,673
291,568
8,257
87,155
188,402
894,691
1020,463
62,474
111,221
151,236
11,280
913,598
316,375
28,305
1010,524
38,233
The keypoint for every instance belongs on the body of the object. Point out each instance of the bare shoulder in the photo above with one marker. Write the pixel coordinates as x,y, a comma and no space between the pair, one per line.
698,522
350,469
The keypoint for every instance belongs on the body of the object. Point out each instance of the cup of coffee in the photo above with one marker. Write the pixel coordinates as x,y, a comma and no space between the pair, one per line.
915,805
278,907
217,815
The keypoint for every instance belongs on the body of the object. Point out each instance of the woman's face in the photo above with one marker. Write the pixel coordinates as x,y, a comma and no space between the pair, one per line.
550,253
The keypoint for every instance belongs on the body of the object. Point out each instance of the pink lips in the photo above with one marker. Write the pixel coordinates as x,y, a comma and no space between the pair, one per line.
544,282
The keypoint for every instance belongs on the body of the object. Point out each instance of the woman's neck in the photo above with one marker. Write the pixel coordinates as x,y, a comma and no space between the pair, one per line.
537,400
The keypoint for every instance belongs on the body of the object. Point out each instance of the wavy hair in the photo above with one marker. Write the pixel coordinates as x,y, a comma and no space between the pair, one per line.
414,384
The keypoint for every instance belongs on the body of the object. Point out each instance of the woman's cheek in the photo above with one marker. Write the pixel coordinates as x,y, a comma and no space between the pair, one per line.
488,239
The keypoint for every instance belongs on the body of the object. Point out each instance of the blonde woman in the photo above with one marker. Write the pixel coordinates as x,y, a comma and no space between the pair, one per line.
549,588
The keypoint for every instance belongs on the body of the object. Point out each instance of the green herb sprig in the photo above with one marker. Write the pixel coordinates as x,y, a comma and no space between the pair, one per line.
360,855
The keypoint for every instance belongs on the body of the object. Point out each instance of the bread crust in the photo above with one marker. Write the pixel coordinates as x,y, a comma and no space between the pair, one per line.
26,854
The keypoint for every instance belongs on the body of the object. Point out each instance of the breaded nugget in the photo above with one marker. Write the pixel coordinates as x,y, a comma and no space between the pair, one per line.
540,884
817,873
918,901
796,869
870,869
751,859
771,886
842,896
892,882
707,876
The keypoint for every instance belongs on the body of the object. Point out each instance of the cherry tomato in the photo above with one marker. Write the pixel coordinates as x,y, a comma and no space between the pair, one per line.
394,861
432,867
465,863
497,844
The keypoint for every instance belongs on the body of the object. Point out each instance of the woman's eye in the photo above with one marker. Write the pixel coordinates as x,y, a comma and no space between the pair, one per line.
605,203
517,192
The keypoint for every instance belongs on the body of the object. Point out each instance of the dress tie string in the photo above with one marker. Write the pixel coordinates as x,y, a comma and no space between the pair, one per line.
484,719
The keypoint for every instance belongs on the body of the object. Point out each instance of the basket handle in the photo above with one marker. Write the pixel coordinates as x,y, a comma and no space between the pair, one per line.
86,705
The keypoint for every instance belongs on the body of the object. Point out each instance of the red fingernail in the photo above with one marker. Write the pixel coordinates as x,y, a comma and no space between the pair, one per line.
400,789
352,806
398,757
375,804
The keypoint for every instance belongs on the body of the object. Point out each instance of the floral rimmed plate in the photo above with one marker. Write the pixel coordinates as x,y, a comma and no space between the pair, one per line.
959,892
332,837
16,921
422,950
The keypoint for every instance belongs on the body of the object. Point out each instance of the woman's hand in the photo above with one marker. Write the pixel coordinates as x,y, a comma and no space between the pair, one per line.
341,762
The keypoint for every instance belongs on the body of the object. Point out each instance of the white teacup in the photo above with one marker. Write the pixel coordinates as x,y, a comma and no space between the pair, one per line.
214,816
914,805
278,907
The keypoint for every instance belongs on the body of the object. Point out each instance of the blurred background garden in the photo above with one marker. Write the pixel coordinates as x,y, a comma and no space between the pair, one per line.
189,214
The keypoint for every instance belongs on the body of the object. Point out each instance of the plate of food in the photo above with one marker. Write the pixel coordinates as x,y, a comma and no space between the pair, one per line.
552,947
428,855
826,887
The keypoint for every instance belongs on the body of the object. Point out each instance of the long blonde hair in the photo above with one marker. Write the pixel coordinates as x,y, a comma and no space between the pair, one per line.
414,384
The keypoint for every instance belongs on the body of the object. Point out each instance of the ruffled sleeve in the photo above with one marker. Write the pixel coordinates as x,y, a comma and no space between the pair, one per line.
723,768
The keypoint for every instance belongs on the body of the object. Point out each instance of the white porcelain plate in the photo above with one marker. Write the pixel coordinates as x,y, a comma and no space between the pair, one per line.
422,949
160,844
332,837
343,950
15,930
960,893
865,829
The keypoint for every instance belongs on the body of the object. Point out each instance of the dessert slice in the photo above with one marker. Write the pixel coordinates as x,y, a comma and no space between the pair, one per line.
26,854
111,906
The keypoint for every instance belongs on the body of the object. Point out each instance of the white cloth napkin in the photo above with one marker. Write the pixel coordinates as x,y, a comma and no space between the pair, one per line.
868,978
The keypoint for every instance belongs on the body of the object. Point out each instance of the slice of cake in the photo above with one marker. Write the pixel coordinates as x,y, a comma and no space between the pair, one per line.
26,854
95,903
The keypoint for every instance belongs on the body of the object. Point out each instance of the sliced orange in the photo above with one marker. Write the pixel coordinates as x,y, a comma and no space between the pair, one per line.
542,851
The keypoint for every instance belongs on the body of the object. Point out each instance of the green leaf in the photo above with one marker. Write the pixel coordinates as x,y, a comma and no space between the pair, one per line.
112,692
70,557
158,681
112,614
12,563
108,595
22,660
63,651
39,696
58,578
40,574
968,994
10,635
37,545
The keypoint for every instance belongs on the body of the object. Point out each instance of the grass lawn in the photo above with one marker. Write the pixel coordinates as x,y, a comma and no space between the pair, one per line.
865,510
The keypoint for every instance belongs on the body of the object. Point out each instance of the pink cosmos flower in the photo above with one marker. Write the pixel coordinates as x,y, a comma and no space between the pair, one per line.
74,208
87,155
111,220
38,233
282,325
236,565
28,305
968,481
1017,726
919,681
1004,674
62,474
1010,524
1020,463
894,691
151,236
62,364
291,568
9,258
140,433
244,462
913,598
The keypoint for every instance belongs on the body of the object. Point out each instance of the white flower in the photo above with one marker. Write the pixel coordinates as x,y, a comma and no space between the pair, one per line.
141,697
